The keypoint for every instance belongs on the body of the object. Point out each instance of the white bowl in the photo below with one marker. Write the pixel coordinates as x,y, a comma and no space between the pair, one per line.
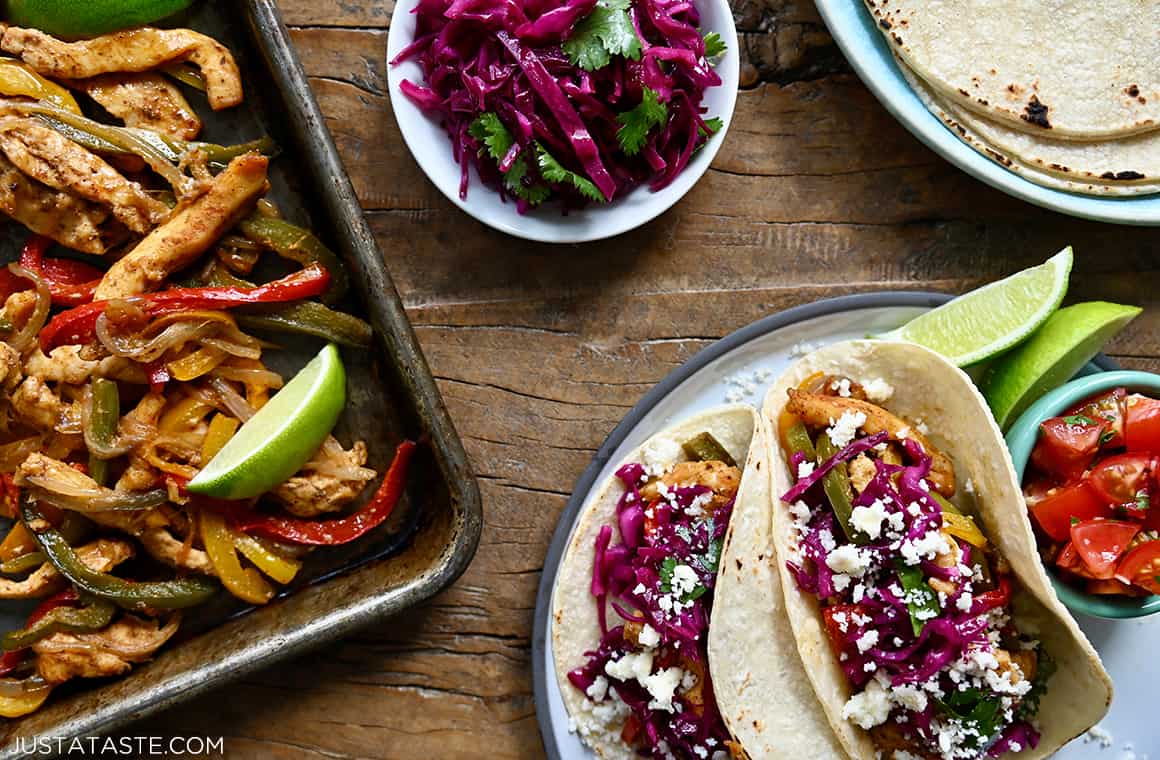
431,147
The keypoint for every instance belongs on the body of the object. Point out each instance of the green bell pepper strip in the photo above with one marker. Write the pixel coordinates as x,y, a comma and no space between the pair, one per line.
104,417
703,447
131,595
23,563
93,616
914,584
838,490
297,244
303,318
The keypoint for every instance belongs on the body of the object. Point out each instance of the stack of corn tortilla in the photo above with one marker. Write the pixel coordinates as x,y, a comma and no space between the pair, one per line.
1063,92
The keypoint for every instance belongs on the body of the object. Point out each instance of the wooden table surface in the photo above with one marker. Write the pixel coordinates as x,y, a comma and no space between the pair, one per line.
540,350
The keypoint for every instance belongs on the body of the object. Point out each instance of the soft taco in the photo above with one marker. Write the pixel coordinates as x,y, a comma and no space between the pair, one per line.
920,609
635,594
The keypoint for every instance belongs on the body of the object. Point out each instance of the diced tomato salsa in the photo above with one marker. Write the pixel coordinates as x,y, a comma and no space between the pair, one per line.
1093,491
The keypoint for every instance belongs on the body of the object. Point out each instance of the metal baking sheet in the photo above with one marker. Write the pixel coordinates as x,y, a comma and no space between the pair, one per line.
434,532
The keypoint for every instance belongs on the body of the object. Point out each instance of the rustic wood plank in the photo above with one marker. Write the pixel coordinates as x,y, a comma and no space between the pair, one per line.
540,350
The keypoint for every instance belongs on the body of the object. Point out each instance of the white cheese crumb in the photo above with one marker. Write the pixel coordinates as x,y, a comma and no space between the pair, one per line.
878,390
648,637
802,348
684,580
842,386
869,519
662,686
868,708
849,559
1098,733
867,641
598,690
843,431
805,469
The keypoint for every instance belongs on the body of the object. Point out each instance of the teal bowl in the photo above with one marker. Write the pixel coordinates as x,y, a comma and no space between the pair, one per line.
1021,440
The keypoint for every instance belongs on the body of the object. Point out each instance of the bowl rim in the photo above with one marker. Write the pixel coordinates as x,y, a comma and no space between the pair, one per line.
1021,440
600,224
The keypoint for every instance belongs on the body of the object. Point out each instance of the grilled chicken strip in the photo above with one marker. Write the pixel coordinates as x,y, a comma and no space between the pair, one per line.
49,157
146,100
309,494
109,652
134,50
816,410
101,555
71,221
189,232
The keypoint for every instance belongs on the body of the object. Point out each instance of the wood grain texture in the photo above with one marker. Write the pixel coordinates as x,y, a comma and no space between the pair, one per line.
540,350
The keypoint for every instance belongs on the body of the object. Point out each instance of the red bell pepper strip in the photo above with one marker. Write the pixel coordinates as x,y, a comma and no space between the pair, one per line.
158,373
79,325
71,283
338,531
995,598
9,661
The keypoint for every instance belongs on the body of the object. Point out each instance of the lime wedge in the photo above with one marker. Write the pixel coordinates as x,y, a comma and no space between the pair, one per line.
73,19
991,319
282,436
1067,341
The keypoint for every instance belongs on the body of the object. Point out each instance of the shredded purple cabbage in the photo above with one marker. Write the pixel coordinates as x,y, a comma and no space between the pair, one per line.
507,58
627,576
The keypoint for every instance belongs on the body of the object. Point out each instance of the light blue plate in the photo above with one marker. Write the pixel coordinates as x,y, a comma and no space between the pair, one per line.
854,30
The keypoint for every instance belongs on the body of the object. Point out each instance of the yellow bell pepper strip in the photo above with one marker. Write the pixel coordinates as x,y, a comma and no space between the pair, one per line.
960,525
163,595
341,530
10,660
18,80
221,428
194,365
29,701
270,562
300,245
243,582
104,417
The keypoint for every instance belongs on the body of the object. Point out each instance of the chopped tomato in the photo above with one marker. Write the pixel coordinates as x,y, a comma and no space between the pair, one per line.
1067,445
651,521
995,598
1142,423
1107,409
631,731
1068,559
1125,480
1100,543
1055,510
1141,567
839,639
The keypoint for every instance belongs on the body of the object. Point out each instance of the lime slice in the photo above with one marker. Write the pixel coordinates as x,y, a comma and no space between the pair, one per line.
281,436
73,19
1066,342
991,319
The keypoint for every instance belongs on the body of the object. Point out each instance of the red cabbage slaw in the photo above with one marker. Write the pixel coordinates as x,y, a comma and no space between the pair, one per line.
634,577
944,709
582,101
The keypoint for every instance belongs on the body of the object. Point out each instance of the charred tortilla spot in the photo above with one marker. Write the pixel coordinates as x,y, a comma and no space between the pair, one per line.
1129,175
964,93
1143,100
896,38
1132,90
1036,113
999,157
983,101
885,24
1061,168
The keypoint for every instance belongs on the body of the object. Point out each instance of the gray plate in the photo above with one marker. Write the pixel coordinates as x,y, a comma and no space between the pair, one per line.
433,534
741,367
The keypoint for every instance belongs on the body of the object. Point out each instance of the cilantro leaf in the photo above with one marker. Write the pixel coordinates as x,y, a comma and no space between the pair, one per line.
714,45
603,33
713,126
667,567
1143,500
1045,668
490,131
635,124
497,141
1078,419
553,171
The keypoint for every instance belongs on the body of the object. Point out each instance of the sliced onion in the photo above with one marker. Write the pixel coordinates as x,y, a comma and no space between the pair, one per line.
149,350
249,376
234,403
25,338
96,642
83,499
12,455
234,349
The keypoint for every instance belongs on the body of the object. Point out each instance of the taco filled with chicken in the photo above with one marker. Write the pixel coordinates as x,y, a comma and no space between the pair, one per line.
921,612
634,598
